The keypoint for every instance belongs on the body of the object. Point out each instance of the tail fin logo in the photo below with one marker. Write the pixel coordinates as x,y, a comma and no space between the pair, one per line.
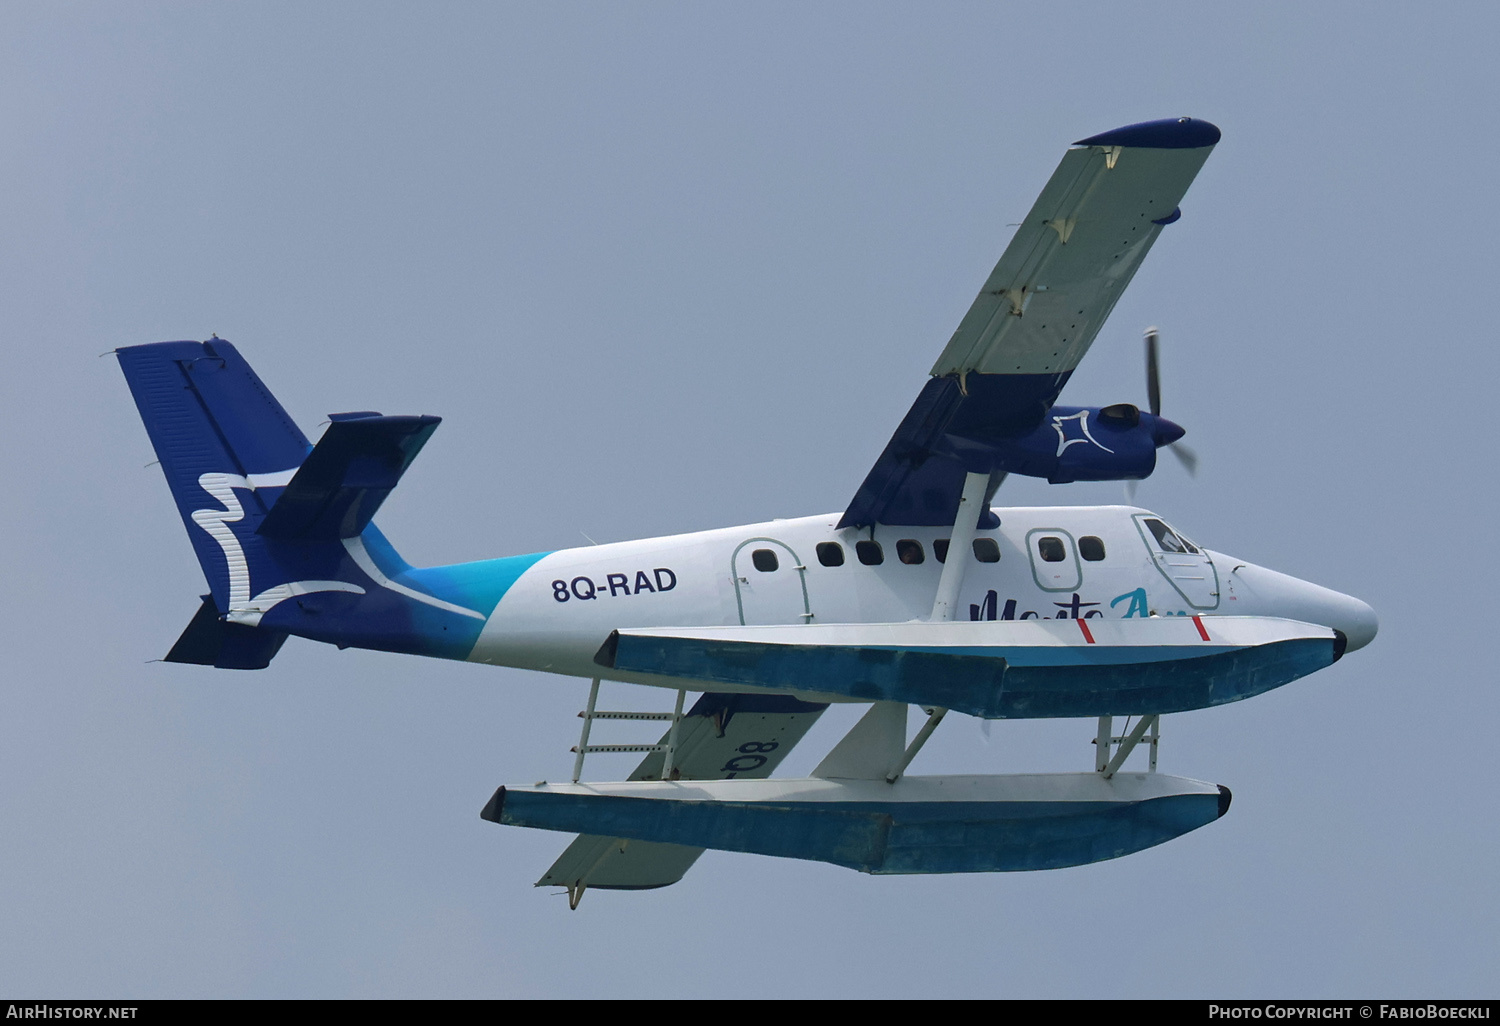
243,608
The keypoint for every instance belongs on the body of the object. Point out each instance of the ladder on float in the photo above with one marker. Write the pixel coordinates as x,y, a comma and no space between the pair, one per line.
589,715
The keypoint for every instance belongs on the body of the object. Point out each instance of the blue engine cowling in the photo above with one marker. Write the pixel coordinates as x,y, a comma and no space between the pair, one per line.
1088,443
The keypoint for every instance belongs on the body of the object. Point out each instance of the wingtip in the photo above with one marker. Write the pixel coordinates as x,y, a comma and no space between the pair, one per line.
1167,134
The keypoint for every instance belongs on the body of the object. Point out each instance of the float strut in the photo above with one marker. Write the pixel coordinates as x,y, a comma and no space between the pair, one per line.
671,753
583,748
1102,742
1128,743
935,716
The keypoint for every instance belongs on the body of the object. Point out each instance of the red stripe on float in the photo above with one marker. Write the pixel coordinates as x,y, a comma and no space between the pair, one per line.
1088,635
1202,630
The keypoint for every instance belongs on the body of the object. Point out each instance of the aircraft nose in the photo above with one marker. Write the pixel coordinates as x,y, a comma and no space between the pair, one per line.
1268,593
1344,613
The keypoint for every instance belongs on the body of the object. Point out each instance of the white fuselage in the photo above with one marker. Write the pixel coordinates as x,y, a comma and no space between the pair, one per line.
1054,562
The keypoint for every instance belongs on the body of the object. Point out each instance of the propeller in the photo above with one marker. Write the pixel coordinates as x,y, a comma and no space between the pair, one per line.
1186,456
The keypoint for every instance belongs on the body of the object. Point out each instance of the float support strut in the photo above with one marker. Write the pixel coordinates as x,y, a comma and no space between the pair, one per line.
935,716
1126,745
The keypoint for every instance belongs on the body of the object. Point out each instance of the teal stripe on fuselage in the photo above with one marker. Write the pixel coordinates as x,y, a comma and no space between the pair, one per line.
478,586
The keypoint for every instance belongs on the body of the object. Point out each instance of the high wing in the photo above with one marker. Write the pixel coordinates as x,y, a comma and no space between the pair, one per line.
1034,320
723,737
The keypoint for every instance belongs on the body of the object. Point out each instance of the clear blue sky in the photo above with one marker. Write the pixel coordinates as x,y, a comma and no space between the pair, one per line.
664,267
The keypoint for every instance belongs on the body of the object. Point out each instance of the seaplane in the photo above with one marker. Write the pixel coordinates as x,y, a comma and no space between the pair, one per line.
921,593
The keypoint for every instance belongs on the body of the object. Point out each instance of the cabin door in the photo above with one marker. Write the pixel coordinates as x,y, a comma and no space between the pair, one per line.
770,583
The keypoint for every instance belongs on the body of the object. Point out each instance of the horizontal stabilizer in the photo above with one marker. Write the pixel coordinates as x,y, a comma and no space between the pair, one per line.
210,641
346,477
970,824
1002,669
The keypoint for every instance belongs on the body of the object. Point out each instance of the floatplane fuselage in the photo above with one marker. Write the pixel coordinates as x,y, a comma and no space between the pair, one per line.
921,593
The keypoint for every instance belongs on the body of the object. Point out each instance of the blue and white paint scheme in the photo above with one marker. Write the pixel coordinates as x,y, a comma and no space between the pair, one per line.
921,592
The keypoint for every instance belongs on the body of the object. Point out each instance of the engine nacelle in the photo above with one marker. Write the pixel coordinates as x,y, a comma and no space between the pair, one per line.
1089,443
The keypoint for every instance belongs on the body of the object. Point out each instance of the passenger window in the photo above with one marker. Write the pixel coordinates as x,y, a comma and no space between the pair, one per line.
1051,549
830,554
1091,548
869,553
986,551
765,560
940,549
1168,539
909,551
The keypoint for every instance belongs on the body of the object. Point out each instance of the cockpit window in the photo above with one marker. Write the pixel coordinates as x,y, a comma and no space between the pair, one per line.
1168,539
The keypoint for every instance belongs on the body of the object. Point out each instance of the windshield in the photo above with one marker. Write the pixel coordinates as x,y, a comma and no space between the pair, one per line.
1168,539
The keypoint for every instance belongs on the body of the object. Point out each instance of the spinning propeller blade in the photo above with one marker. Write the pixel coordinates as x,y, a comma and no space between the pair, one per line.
1153,372
1186,456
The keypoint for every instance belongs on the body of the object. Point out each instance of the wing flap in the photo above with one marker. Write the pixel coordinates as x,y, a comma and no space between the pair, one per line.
619,864
1072,256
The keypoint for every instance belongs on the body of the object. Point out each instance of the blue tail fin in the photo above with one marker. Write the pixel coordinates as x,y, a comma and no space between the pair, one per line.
226,447
282,529
266,512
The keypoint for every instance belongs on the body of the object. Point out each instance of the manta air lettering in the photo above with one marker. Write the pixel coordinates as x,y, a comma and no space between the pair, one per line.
770,623
989,609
